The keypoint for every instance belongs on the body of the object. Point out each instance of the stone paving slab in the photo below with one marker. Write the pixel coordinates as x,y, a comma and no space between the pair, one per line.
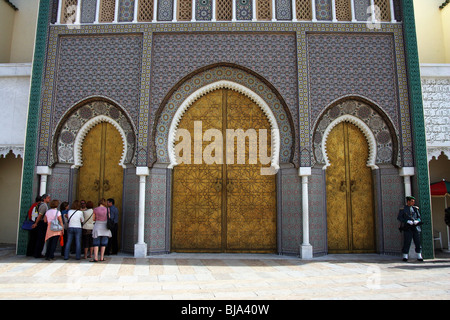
224,277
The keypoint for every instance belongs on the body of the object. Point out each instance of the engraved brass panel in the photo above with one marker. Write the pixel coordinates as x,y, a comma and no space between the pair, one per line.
251,205
349,186
224,207
197,188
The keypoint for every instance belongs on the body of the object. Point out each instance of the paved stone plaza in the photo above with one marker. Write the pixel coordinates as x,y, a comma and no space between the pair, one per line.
224,277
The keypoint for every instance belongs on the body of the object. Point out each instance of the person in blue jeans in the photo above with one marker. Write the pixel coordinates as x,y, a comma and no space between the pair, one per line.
74,230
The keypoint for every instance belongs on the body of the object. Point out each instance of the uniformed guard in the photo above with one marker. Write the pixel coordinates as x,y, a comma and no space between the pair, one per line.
409,217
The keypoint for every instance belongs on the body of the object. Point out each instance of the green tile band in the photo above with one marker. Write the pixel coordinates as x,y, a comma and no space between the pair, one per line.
29,160
418,122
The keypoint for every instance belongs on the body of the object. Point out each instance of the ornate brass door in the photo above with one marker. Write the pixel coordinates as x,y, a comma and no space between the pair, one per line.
101,176
222,207
349,185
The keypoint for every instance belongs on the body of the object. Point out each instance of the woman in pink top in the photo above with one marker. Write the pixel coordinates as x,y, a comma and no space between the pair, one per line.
52,236
100,233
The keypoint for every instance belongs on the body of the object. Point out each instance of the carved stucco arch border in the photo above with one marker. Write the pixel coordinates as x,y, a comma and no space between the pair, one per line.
225,84
84,130
365,130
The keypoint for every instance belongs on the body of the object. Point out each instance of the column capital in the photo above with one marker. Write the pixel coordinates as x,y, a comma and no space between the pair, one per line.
406,171
142,171
43,170
304,171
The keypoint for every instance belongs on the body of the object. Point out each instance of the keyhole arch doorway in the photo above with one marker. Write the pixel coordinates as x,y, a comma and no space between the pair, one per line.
100,155
350,153
223,207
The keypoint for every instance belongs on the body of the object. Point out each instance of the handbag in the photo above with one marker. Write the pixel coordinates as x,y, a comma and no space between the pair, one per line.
54,225
27,225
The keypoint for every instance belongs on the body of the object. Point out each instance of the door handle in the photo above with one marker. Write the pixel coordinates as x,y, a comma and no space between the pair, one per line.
353,185
106,185
229,185
218,185
96,185
343,186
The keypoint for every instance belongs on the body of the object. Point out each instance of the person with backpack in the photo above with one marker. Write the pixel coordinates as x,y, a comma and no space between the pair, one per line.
55,229
75,219
88,226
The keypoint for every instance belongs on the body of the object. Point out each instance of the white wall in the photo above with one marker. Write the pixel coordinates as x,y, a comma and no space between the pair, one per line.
14,95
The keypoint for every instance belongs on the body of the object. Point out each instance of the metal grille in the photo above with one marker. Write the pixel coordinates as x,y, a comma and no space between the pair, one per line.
343,10
107,10
385,14
303,10
184,10
69,12
145,13
224,10
264,9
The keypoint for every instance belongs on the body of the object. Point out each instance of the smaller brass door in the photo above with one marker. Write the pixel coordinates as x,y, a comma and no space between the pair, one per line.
349,186
101,176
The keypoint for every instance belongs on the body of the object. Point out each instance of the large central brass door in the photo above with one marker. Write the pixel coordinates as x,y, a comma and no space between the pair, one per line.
350,209
101,176
220,207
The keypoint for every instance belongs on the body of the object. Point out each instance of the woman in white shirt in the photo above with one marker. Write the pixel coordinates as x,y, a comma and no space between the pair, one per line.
75,219
88,225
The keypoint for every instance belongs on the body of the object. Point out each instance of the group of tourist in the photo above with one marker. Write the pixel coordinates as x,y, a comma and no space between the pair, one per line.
82,225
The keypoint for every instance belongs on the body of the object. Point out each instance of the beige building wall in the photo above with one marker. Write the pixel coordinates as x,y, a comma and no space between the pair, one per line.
6,27
17,33
10,177
18,29
446,27
433,31
24,31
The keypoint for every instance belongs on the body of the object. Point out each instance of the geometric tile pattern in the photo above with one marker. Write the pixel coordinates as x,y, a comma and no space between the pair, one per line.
176,56
203,10
126,10
112,70
361,8
240,49
283,9
88,10
385,139
358,64
244,10
68,130
391,185
317,211
130,214
323,10
165,10
291,211
345,64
